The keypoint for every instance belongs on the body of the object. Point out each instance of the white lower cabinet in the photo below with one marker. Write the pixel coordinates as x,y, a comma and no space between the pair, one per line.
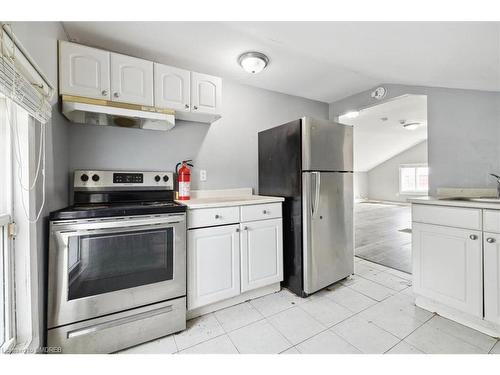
448,266
227,260
261,253
213,264
492,277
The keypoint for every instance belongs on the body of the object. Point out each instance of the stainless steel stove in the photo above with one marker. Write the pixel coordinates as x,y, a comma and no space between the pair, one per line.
117,263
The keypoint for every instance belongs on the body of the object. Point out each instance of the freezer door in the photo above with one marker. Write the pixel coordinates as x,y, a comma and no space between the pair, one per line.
328,228
326,146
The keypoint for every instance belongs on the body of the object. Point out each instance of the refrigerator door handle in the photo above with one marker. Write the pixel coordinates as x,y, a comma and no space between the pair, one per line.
317,187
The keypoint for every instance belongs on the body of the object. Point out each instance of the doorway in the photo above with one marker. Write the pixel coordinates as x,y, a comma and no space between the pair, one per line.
390,166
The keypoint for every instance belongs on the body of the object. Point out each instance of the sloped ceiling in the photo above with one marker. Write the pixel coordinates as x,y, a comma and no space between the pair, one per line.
379,135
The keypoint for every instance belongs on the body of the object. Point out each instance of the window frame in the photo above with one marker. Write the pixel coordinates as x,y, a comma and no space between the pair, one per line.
415,166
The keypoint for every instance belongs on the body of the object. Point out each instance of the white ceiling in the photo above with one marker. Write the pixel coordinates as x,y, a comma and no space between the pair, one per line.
324,61
376,141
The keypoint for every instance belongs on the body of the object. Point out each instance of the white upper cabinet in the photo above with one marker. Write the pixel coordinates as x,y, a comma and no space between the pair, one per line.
84,71
206,93
172,87
131,80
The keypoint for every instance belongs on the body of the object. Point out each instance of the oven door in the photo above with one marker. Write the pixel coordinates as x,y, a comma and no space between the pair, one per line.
98,267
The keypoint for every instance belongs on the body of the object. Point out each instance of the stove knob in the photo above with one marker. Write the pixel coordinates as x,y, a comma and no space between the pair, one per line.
84,177
95,178
165,178
157,178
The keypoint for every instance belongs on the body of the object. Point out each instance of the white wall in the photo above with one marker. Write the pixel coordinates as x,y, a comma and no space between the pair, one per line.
227,149
463,132
383,180
360,183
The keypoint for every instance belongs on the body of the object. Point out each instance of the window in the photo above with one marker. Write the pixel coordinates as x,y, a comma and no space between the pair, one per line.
413,179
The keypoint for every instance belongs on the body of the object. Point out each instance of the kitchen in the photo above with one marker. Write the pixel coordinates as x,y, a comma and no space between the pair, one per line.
224,141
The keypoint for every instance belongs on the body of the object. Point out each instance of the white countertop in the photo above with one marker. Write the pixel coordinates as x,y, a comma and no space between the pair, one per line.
446,201
224,198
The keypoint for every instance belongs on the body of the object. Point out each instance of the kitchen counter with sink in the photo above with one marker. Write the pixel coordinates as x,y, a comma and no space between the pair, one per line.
474,202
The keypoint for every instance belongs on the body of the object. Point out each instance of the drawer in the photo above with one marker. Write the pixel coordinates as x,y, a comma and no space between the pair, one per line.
260,212
122,330
491,221
458,217
209,217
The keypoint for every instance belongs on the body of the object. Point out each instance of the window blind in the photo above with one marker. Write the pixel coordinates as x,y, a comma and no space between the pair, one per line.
20,80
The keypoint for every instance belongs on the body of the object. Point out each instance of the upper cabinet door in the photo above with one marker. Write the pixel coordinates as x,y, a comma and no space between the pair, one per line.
131,80
206,93
83,71
172,88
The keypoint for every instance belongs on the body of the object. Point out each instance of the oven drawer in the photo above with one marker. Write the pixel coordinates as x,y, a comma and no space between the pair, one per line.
122,330
261,212
209,217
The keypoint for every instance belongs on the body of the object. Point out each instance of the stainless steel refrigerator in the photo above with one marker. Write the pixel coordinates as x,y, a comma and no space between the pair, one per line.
309,162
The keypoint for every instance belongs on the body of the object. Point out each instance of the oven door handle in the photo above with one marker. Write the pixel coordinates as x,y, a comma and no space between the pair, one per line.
64,235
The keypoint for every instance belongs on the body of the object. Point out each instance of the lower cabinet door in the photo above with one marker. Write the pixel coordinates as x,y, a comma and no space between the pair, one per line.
261,253
447,266
492,277
213,264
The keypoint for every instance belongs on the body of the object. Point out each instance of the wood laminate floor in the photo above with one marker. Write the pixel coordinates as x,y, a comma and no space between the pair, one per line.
382,234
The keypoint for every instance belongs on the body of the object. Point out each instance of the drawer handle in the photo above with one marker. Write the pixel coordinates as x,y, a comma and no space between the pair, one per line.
118,322
218,216
490,240
473,237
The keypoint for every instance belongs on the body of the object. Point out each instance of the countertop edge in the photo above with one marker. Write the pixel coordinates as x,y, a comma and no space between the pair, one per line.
437,201
193,204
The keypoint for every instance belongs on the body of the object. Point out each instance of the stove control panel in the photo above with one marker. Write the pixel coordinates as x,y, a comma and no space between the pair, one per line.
135,180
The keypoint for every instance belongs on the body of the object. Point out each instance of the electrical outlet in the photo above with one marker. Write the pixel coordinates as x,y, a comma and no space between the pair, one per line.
203,175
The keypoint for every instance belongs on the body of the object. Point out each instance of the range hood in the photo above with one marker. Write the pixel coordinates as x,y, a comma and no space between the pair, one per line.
104,112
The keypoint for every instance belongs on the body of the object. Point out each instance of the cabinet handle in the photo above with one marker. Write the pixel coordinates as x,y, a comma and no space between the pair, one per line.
237,230
218,216
265,212
116,95
473,237
490,240
245,228
186,106
104,92
195,108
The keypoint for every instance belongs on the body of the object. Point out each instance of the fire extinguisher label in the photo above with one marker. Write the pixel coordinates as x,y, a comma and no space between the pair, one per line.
184,190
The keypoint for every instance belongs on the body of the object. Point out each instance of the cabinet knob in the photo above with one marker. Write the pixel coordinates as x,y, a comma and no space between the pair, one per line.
473,237
116,95
104,92
245,228
217,216
237,230
490,240
195,108
186,106
265,212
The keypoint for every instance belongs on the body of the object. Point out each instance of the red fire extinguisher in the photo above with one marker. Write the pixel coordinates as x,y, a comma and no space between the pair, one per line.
184,179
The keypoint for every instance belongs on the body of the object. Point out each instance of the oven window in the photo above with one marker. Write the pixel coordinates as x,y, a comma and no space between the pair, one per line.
104,263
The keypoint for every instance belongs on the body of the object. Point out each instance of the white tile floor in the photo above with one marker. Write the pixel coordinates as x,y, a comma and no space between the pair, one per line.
371,312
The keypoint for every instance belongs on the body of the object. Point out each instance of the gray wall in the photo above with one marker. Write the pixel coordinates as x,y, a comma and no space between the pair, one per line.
463,132
383,180
40,40
227,149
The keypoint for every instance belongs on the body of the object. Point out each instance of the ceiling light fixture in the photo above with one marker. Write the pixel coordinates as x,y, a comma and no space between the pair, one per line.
253,62
351,114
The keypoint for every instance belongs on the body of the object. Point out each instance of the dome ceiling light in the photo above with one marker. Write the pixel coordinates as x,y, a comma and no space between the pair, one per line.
253,62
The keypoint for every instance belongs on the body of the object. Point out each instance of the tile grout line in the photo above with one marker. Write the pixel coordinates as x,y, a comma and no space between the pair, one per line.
227,333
